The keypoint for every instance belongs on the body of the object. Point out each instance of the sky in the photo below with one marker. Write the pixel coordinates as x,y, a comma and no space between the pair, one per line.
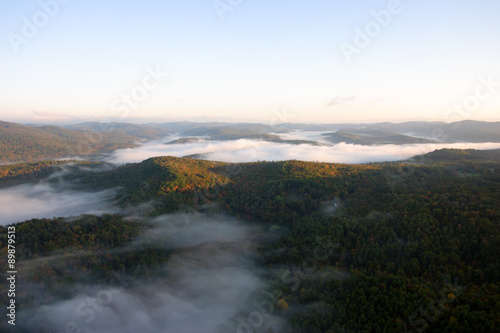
267,61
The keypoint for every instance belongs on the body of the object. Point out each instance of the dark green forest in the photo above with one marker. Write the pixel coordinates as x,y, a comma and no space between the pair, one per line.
384,247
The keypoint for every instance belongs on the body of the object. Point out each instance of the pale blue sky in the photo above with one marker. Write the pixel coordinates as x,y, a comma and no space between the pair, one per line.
267,61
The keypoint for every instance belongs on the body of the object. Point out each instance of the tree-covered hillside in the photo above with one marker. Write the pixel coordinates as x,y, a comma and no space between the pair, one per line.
20,173
140,131
19,143
388,247
373,136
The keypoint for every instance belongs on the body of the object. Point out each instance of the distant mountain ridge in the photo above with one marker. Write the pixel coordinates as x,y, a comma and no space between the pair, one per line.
28,143
373,136
363,134
458,155
233,130
420,131
20,143
140,131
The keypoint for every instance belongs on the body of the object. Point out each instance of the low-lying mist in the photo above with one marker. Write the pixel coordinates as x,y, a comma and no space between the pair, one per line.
27,201
245,150
205,282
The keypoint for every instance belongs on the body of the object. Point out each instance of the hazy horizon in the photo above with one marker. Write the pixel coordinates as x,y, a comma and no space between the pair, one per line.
39,122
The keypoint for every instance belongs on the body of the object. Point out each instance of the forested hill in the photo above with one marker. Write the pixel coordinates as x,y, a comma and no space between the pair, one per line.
458,155
140,131
26,143
389,247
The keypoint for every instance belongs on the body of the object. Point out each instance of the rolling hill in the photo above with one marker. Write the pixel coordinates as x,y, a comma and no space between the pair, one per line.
25,143
459,155
140,131
232,131
373,136
461,131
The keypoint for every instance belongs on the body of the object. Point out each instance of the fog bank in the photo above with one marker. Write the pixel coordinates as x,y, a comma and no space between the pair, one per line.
253,150
208,278
23,202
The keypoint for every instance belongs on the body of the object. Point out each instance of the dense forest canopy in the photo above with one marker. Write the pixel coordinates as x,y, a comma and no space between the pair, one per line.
393,247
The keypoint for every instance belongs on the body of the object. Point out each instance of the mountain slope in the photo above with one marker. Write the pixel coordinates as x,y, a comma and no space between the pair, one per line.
140,131
459,155
25,143
472,131
373,136
232,131
461,131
